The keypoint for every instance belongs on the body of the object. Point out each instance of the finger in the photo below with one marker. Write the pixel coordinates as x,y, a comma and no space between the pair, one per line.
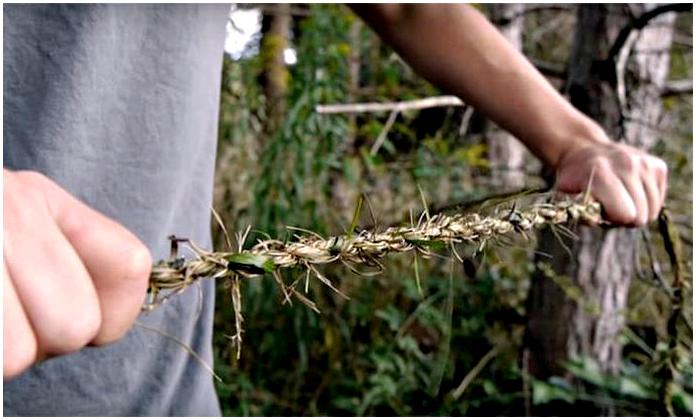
611,192
117,261
54,287
634,185
19,343
650,183
661,170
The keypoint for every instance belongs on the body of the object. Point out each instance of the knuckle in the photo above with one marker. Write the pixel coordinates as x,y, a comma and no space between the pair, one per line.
603,166
628,161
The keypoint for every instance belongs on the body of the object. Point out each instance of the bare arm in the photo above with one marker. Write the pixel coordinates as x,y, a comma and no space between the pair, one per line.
455,47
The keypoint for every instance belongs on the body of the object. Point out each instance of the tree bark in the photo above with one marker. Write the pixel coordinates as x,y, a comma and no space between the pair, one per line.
275,28
600,262
506,154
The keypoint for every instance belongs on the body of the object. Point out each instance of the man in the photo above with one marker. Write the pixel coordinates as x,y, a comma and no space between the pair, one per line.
109,138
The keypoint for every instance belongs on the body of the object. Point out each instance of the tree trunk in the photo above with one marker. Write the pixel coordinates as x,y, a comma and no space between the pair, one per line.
275,28
600,262
506,154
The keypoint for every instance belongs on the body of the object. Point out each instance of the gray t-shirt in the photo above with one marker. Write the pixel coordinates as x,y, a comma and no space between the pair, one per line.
119,104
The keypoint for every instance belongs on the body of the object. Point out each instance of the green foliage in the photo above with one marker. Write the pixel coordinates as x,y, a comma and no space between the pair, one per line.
254,263
407,338
634,391
296,161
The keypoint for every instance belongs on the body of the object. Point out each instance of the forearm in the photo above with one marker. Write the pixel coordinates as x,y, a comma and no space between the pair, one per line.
455,47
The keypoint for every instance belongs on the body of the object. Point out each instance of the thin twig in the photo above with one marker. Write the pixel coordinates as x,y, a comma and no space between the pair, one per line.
385,130
432,102
466,118
678,87
641,22
182,344
621,62
473,373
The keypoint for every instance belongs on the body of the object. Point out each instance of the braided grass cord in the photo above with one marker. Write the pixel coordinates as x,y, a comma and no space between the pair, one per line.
365,247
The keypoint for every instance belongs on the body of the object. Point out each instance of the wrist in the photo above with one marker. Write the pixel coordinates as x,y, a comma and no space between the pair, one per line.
582,134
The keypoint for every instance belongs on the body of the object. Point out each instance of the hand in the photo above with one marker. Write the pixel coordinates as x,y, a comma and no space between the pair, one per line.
629,183
72,276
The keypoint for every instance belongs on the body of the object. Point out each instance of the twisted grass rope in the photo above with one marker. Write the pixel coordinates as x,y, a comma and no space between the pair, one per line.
369,246
365,247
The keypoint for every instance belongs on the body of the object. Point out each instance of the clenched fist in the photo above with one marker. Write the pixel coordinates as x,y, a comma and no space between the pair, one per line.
630,184
72,276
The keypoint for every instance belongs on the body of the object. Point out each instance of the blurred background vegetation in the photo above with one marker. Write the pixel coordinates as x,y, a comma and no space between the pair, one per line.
459,346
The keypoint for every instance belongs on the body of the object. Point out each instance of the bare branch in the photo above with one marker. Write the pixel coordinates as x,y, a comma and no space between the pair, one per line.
456,393
432,102
678,87
642,21
683,40
621,62
383,134
466,118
